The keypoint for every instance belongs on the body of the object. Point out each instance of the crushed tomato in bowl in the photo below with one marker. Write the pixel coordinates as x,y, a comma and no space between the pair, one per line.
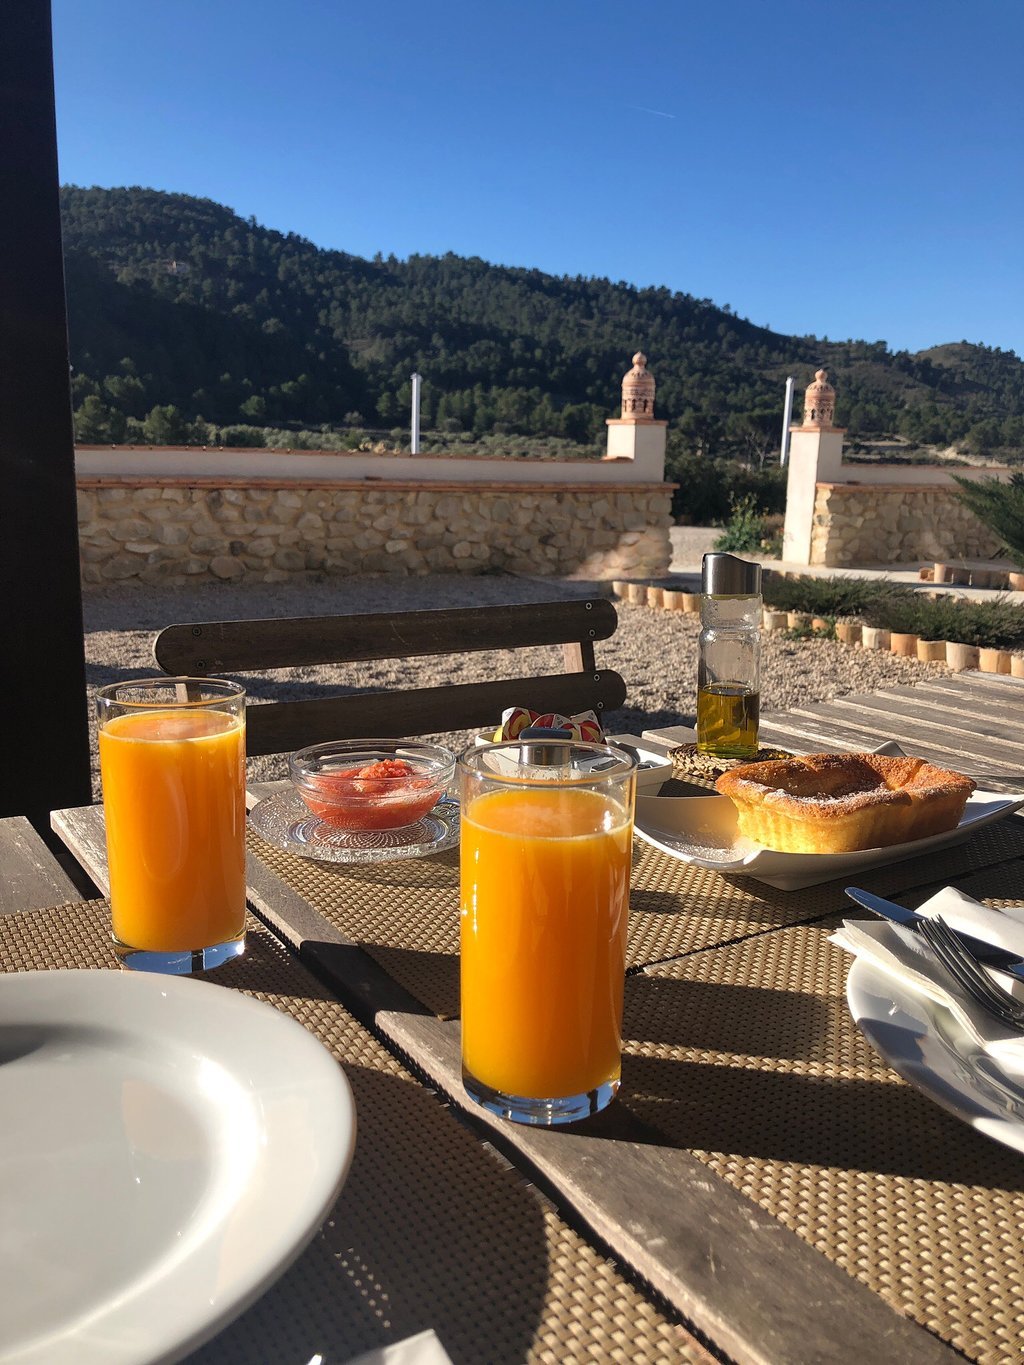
382,795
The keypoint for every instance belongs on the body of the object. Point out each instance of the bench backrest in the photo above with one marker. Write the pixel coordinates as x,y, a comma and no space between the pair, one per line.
205,648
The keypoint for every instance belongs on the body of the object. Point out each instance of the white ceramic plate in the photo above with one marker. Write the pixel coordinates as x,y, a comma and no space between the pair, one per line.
702,830
167,1148
926,1045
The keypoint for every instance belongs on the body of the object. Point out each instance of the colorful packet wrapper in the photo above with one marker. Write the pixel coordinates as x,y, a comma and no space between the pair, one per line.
584,726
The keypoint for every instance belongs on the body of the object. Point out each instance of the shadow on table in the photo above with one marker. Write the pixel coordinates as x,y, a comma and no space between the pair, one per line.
439,870
432,978
429,1231
770,1075
259,968
716,1017
815,1121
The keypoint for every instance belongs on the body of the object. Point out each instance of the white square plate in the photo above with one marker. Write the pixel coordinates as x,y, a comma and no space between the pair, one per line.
702,830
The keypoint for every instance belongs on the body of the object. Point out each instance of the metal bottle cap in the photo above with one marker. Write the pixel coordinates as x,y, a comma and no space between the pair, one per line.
546,746
723,575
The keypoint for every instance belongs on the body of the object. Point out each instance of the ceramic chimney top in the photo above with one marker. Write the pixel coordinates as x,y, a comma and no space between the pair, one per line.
638,389
819,402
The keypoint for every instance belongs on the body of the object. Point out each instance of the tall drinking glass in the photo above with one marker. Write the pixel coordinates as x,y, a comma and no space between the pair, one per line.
546,834
172,761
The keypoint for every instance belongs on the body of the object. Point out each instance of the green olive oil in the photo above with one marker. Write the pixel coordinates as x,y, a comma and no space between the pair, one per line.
727,720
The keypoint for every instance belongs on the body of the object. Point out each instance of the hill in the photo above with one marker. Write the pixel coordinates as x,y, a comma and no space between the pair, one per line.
183,315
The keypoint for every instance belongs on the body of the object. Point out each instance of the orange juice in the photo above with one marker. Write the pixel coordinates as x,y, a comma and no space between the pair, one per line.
545,901
174,798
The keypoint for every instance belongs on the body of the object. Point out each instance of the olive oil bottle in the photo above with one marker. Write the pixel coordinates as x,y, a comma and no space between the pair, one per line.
729,666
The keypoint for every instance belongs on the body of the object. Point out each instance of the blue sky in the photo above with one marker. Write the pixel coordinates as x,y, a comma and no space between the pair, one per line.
846,171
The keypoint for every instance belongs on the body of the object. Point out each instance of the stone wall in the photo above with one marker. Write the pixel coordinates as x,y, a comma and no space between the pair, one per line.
176,531
894,524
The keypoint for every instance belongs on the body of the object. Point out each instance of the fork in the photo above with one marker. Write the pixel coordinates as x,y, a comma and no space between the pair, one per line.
961,964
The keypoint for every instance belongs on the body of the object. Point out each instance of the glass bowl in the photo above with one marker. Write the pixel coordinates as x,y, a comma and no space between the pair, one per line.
371,784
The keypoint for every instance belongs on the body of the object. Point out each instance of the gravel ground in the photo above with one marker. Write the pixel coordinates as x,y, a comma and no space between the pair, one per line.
655,651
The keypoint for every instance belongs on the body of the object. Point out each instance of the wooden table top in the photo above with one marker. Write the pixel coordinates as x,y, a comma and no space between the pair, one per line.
749,1282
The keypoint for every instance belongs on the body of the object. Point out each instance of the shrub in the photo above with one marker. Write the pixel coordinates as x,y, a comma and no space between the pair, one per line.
837,596
998,624
1000,506
899,612
748,532
745,529
242,436
708,488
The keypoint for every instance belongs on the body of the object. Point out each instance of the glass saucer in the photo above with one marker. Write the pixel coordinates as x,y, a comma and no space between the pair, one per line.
285,821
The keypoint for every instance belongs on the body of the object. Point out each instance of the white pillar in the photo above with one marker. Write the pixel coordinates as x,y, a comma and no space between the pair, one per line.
414,433
639,440
815,456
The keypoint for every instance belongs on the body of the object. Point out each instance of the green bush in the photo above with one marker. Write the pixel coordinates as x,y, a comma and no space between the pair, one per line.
1000,507
837,596
745,530
708,488
997,624
901,612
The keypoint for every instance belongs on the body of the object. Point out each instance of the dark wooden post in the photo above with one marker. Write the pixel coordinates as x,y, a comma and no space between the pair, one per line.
44,741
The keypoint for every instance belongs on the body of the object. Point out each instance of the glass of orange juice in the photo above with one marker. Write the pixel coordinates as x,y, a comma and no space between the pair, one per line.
546,835
172,762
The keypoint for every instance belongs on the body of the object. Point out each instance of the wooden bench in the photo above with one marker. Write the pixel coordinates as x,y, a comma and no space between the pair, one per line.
205,648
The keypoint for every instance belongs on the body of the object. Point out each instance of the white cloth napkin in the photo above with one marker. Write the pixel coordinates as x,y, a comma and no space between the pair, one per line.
904,954
423,1349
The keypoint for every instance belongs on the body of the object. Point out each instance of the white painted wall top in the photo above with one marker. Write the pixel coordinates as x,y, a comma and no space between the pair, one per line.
310,466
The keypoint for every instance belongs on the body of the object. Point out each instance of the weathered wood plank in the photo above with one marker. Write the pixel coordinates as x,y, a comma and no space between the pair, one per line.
804,734
84,833
203,648
995,772
1008,707
922,730
751,1284
980,682
996,699
281,726
807,732
1006,688
984,733
30,876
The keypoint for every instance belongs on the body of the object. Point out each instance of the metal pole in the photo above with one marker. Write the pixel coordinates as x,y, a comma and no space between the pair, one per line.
787,417
414,442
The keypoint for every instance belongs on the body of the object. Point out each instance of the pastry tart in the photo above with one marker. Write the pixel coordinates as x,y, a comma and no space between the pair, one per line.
837,803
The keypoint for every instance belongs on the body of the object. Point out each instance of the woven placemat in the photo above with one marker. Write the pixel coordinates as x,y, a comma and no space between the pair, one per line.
747,1056
431,1230
405,914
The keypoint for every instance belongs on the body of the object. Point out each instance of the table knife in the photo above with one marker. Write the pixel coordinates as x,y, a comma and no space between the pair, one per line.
987,953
